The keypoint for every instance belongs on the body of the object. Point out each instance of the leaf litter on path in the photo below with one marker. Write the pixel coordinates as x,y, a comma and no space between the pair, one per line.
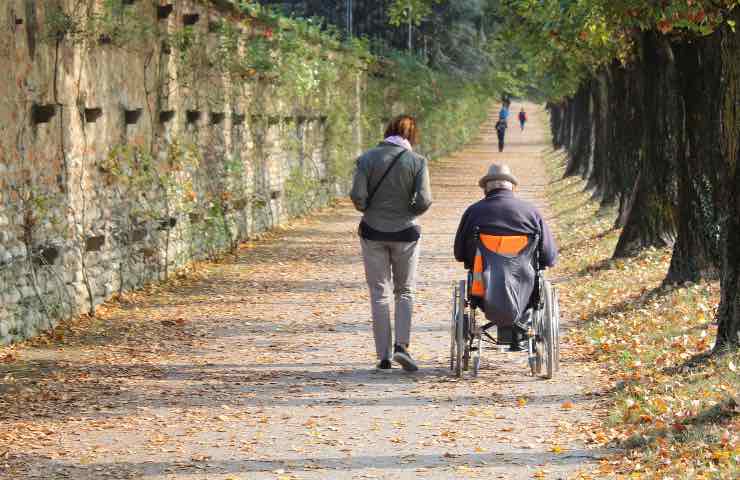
260,366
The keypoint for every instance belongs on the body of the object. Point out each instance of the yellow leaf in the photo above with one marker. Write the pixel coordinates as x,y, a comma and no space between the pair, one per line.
521,401
660,405
557,449
721,455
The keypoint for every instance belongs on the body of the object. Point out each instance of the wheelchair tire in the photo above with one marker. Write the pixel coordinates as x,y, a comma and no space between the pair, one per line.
453,327
466,339
550,331
556,327
460,330
477,341
476,344
538,344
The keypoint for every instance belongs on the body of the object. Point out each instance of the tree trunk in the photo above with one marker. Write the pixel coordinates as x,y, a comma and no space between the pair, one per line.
565,135
697,253
652,218
556,124
625,137
600,179
579,145
587,138
728,315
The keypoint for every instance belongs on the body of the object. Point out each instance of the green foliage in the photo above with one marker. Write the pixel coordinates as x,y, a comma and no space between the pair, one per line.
109,22
562,42
147,184
286,66
303,191
457,31
404,12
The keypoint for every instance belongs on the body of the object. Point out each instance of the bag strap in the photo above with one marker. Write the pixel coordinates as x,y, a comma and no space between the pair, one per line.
380,182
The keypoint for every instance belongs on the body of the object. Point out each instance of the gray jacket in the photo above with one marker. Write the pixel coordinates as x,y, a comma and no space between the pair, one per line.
404,194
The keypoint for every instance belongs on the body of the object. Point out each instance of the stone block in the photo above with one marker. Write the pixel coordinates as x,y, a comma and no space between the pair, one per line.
18,250
11,297
27,292
4,330
29,329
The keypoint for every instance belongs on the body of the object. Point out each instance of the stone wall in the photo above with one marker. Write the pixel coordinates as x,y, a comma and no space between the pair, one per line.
121,160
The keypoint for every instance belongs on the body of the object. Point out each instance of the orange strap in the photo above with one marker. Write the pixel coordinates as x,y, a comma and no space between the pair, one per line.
477,289
505,244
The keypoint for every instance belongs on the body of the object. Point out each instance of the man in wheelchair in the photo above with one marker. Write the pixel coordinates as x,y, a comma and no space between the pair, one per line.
504,241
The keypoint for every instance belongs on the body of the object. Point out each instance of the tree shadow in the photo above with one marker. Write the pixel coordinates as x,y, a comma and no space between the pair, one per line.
596,236
565,187
693,364
66,390
253,464
560,213
720,414
632,303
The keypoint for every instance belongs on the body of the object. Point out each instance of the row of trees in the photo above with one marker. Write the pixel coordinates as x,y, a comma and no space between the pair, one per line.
451,36
645,97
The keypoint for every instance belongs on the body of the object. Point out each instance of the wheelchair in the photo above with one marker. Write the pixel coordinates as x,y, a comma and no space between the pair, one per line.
540,320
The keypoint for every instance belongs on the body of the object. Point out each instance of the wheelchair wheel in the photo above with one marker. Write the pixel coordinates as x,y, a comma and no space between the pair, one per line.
551,336
556,310
537,344
453,326
477,343
555,330
467,328
460,340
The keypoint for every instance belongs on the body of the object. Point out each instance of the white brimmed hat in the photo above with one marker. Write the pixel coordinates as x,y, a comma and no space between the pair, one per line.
498,171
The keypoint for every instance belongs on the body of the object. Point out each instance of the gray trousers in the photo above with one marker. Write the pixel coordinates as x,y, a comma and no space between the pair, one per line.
386,264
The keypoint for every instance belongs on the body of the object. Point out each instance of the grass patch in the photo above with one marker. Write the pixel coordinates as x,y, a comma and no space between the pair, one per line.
673,407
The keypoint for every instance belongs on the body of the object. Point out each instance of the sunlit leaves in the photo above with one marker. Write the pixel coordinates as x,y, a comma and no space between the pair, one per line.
410,11
564,41
675,411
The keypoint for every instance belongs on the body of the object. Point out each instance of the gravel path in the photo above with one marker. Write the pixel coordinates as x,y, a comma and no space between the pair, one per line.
261,368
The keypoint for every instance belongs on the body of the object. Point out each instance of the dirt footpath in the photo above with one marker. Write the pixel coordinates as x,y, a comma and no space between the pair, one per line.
261,368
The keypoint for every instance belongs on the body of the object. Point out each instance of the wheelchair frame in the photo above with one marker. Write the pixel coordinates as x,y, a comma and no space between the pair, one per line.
543,332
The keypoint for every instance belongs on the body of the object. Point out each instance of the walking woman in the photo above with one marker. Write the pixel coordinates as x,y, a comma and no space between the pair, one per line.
391,188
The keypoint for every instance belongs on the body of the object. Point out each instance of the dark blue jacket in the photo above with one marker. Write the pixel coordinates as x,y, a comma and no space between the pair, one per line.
503,213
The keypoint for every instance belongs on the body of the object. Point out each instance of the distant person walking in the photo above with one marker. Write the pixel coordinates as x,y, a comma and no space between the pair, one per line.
501,127
522,118
504,113
391,187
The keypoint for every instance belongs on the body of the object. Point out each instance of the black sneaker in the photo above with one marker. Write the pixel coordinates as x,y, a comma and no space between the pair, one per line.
519,341
384,366
401,356
519,346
